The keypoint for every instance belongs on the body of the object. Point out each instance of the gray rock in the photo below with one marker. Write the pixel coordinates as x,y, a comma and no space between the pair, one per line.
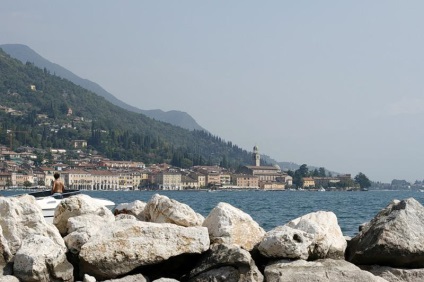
232,256
395,237
321,270
222,274
395,274
125,245
229,225
125,216
130,278
161,209
41,259
165,280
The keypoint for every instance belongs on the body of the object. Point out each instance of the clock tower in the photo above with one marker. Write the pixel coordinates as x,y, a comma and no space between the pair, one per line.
256,156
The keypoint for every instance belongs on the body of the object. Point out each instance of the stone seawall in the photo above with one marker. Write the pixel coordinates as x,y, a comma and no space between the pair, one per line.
165,240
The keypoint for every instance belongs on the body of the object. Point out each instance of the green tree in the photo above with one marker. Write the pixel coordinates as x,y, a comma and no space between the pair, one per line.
299,174
27,184
362,180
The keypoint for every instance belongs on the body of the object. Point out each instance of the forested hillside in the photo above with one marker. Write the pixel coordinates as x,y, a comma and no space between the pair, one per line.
42,110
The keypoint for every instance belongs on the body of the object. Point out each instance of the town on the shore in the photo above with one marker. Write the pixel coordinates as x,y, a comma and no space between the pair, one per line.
94,172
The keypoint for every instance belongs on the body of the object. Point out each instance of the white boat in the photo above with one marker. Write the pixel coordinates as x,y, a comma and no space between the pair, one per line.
321,189
49,202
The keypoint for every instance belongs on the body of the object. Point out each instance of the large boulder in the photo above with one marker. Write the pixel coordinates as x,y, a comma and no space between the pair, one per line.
229,225
21,217
394,237
161,209
315,235
81,228
232,259
321,270
286,242
41,259
135,208
124,245
77,205
395,274
5,256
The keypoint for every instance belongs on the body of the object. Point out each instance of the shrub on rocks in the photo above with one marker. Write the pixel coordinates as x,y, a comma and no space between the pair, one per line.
394,237
161,209
229,225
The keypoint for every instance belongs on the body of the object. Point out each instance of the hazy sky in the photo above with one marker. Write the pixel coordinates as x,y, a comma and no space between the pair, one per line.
328,83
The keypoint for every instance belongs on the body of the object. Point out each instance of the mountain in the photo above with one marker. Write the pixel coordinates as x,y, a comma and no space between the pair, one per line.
26,54
42,110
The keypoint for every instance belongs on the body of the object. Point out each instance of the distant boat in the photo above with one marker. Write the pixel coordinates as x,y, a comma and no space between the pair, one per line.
321,189
364,189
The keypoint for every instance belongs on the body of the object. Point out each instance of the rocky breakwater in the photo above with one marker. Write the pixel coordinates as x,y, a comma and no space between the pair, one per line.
165,240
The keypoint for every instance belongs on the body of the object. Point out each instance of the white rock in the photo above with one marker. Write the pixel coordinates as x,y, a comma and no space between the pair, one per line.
135,208
21,217
9,278
41,259
88,278
81,229
161,209
329,241
315,235
229,225
77,205
286,242
125,245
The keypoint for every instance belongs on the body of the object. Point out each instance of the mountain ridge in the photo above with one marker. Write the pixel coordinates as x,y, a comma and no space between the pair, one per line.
26,54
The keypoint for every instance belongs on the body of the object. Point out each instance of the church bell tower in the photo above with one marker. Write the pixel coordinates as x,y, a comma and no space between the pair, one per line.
256,156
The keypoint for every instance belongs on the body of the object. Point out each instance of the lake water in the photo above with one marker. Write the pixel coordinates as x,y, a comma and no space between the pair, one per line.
274,208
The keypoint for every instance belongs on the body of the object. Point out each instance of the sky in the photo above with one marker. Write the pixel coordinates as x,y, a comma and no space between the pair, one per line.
334,84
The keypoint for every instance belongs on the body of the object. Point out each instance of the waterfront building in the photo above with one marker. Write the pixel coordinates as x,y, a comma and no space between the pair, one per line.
189,183
265,185
166,180
308,182
6,180
245,181
105,180
77,179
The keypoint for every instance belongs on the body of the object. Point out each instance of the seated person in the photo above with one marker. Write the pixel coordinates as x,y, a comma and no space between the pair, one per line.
58,186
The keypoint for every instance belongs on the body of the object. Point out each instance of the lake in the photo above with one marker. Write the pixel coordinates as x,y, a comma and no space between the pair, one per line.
274,208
